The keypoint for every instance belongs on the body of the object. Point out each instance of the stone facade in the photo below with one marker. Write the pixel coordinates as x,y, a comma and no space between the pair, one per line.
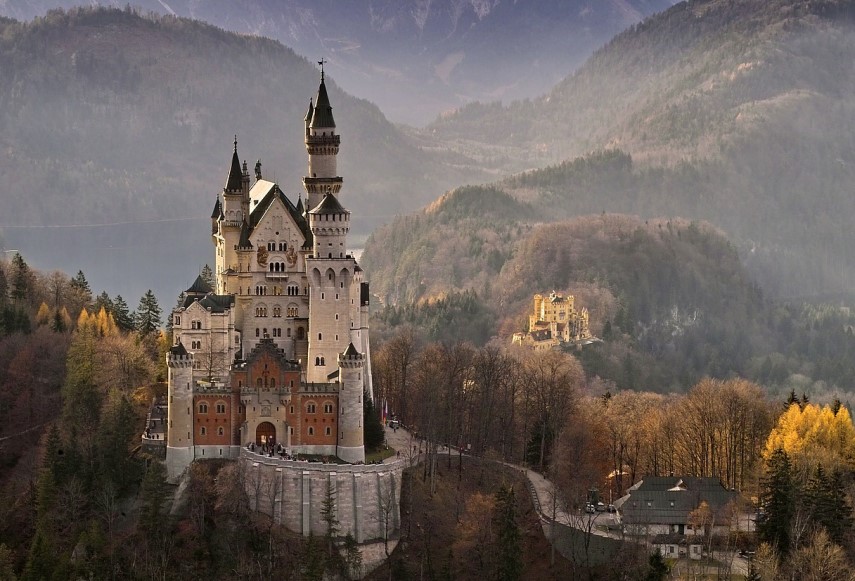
366,498
555,321
274,351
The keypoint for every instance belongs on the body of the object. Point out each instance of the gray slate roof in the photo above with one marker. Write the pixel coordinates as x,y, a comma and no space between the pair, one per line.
329,205
669,500
235,179
322,115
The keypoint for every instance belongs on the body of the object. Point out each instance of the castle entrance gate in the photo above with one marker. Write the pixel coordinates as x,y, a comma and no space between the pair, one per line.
265,433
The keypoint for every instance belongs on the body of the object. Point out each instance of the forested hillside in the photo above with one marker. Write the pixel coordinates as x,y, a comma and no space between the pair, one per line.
737,113
109,116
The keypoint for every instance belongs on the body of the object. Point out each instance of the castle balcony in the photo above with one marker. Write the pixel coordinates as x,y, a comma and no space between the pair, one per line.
277,275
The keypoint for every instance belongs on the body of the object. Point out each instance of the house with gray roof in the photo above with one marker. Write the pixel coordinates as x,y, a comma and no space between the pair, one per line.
664,505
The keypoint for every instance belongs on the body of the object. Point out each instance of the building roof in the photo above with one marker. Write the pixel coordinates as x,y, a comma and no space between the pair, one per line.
235,179
329,205
199,287
244,241
309,113
322,114
669,500
178,349
351,351
262,195
214,303
218,209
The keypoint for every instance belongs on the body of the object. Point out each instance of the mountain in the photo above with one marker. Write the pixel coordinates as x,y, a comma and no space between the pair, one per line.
416,58
738,113
117,131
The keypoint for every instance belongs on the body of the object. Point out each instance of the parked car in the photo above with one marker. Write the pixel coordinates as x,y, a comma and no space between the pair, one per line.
589,508
601,507
611,508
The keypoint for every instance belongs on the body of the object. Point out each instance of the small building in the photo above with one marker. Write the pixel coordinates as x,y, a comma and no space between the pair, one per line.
664,505
675,546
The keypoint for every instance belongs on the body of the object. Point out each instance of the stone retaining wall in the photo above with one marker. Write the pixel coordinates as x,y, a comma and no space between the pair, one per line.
366,496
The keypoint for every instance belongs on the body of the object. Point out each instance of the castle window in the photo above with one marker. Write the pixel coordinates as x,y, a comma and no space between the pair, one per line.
292,311
196,325
310,408
329,431
342,285
288,332
221,431
257,333
176,320
317,360
203,408
336,316
203,431
328,408
320,336
311,431
292,409
330,276
221,408
322,361
291,431
277,311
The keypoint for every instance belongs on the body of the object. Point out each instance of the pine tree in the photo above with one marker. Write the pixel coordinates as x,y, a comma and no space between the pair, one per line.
81,286
208,275
21,279
777,498
838,511
791,399
373,431
153,495
103,301
657,568
122,314
835,405
148,314
352,557
509,547
328,516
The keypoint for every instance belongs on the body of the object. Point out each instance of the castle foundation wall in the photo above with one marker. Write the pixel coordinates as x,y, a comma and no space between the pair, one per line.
366,497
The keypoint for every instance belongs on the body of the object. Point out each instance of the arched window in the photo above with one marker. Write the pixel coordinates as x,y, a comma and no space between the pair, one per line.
257,333
221,431
292,312
322,361
310,408
203,408
221,408
277,311
320,336
203,431
329,431
317,361
311,431
328,408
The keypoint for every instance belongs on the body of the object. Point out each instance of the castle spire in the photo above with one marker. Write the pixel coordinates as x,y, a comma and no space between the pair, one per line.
235,180
322,114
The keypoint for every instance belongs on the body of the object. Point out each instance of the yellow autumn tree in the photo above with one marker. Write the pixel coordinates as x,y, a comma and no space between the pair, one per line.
43,316
812,435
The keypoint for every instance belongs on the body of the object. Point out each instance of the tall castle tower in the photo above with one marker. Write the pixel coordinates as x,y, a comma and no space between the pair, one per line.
276,351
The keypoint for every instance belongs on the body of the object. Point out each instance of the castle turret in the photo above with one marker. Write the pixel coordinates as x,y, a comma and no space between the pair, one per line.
351,444
179,431
322,145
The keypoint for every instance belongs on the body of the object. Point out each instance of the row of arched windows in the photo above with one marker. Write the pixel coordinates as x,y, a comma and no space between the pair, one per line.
281,246
220,407
203,431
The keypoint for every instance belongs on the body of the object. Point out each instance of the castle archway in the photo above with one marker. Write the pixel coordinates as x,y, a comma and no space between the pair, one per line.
265,433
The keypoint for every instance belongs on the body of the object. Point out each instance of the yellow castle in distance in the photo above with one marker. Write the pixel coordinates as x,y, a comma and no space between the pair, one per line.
555,322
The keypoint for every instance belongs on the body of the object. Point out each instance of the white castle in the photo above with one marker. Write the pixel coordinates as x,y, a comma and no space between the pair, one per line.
277,353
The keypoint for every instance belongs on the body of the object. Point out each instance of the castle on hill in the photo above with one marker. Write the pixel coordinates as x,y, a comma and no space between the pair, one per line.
555,321
276,351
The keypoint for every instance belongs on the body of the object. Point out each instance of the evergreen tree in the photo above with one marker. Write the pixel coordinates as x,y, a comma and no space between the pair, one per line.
777,498
657,568
103,301
81,400
21,279
835,405
122,314
4,288
328,516
373,431
352,557
837,511
313,559
208,275
148,314
791,399
153,496
116,432
509,547
81,286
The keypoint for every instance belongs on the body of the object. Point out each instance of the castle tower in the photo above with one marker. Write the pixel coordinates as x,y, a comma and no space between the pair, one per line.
322,145
330,270
179,431
351,365
228,216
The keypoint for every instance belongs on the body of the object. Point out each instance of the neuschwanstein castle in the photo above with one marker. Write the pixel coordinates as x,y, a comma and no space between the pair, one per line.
277,353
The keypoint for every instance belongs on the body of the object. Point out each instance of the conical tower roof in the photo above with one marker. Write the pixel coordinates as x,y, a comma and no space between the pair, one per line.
235,179
322,115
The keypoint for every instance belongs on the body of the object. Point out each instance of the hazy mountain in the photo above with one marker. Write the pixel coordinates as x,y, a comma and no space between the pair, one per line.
416,58
107,117
738,113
